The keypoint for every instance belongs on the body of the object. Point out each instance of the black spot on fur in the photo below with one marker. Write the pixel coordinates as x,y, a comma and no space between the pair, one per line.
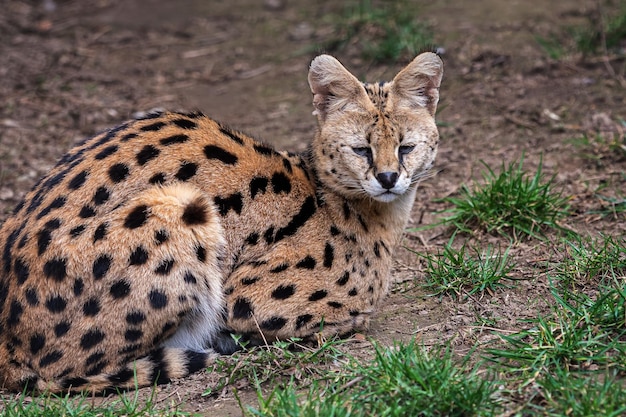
249,280
146,154
106,152
307,210
94,358
303,320
8,246
161,236
23,241
281,183
273,323
201,253
78,287
160,376
122,377
334,231
101,266
346,211
269,235
55,204
195,361
158,178
173,140
21,270
334,304
137,217
73,382
56,304
15,312
100,232
354,313
287,165
307,262
78,180
242,309
91,307
258,185
283,292
279,268
185,123
118,172
189,278
120,289
363,224
344,279
165,267
153,127
52,224
252,239
158,299
31,297
61,328
50,358
377,249
353,292
92,338
329,256
77,231
232,135
101,196
86,212
382,243
318,295
128,137
135,318
264,150
56,269
232,202
186,171
195,213
132,335
138,257
215,152
37,342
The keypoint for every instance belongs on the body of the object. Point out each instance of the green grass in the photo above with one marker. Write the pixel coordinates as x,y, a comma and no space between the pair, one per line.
570,361
384,31
591,260
581,334
276,363
578,395
48,405
403,380
465,271
511,203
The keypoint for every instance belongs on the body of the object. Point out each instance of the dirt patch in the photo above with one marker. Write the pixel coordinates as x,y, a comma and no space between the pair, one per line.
81,66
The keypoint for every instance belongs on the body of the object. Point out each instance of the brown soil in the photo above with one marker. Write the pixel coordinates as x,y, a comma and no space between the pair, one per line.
88,64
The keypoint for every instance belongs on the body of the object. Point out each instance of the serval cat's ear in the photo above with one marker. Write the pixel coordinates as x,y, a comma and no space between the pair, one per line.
417,85
333,87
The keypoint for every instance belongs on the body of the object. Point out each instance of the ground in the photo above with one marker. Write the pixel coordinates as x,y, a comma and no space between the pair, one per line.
72,68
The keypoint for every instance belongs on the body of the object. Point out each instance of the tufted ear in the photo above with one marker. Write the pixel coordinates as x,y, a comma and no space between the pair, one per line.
417,85
333,87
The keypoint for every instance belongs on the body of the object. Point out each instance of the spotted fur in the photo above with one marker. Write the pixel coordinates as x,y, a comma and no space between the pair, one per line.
133,260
